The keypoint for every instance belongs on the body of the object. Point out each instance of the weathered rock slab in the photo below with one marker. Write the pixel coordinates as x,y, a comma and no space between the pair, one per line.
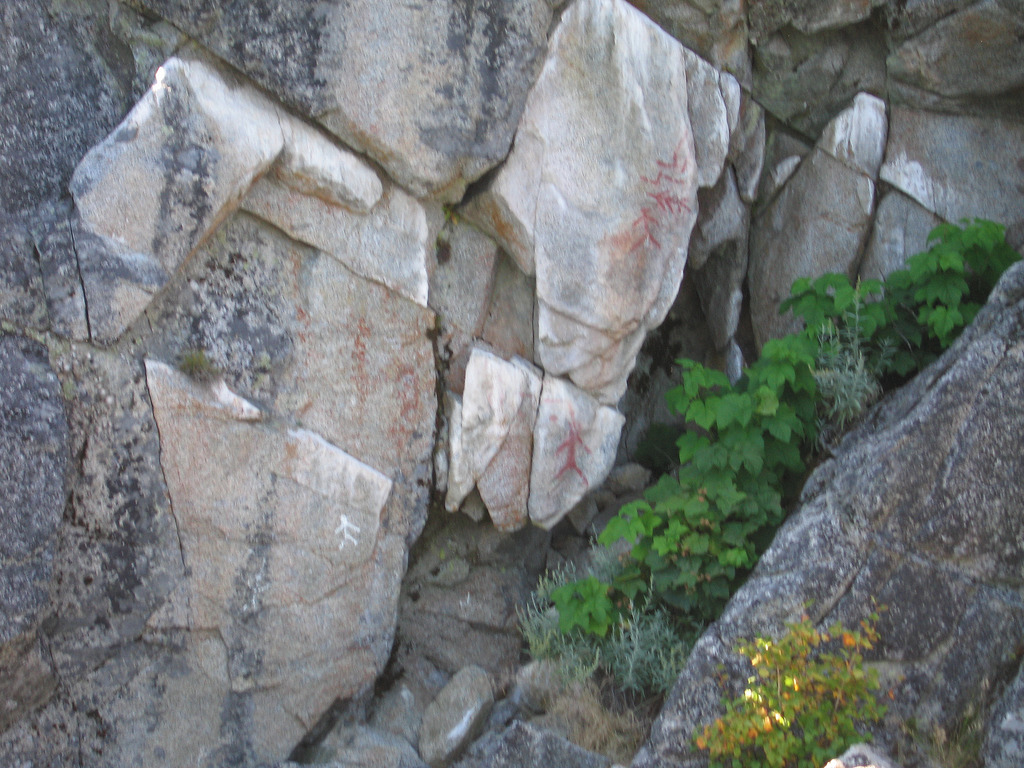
455,716
576,198
574,448
435,100
278,532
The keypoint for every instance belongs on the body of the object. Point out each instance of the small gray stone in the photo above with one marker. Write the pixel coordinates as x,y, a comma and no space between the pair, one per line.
453,719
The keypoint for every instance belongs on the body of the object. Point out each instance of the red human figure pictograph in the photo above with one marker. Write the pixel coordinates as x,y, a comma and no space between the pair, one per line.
647,221
572,443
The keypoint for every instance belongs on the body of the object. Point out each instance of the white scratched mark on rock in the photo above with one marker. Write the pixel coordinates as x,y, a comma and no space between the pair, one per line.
343,530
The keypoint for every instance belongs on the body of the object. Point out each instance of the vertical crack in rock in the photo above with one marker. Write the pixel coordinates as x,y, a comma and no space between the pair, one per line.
81,280
163,476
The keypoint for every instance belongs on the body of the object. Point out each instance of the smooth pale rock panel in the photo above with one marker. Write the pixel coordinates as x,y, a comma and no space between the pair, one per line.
574,446
857,135
314,165
495,423
387,245
278,531
821,219
166,177
597,198
901,230
505,485
435,100
956,166
362,374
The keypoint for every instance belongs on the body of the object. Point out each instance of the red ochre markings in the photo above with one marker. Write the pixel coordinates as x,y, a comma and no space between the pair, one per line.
667,191
572,443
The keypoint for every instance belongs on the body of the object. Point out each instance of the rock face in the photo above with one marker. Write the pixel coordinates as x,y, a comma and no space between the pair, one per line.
387,306
436,99
918,511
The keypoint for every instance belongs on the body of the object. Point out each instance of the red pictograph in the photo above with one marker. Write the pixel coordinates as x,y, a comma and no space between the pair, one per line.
572,443
667,190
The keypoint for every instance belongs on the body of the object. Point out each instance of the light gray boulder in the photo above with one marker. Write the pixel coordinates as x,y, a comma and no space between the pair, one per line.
435,100
918,511
493,443
862,756
957,166
821,219
454,718
183,160
387,244
601,182
574,446
901,230
281,539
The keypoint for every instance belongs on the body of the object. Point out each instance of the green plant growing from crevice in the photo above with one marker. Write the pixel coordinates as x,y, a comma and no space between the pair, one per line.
643,651
804,703
700,529
195,364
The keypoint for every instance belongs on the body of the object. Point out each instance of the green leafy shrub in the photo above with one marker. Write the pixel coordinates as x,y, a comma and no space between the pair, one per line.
642,651
907,321
803,705
701,528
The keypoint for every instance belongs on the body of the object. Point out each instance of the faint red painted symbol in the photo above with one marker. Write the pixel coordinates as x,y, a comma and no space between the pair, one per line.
572,443
668,191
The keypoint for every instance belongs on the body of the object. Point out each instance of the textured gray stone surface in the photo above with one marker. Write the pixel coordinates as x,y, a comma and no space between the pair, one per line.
526,746
958,166
64,83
